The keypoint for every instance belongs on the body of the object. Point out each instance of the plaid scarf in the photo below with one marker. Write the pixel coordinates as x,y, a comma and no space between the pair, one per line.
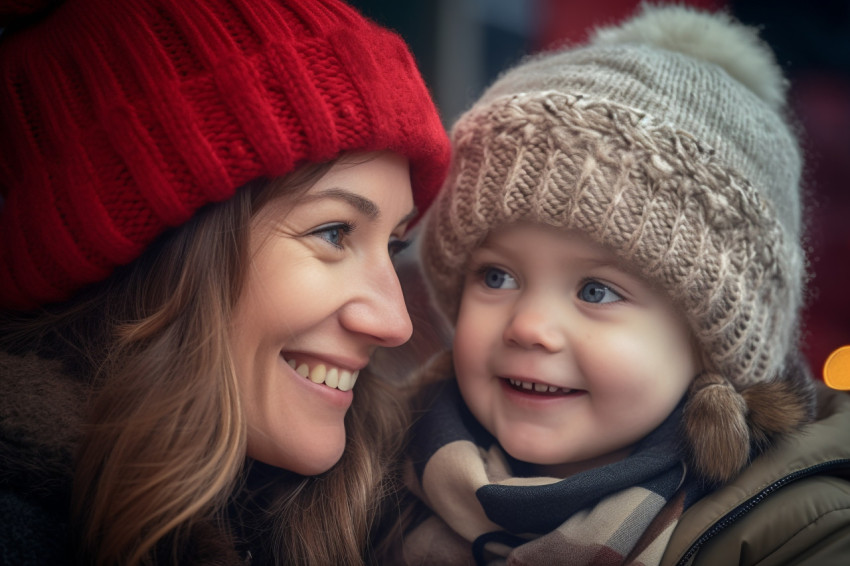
493,510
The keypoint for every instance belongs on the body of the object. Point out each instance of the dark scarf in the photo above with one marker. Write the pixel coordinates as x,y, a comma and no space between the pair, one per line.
493,507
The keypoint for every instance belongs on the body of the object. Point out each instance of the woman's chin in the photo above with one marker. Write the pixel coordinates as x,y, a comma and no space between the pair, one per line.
310,460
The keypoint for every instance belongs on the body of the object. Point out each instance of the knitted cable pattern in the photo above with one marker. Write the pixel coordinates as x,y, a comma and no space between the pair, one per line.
657,197
665,139
120,119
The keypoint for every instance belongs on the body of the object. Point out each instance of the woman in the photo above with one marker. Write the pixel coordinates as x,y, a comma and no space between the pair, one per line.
202,202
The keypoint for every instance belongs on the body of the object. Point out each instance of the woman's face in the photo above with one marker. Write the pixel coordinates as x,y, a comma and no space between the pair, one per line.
321,293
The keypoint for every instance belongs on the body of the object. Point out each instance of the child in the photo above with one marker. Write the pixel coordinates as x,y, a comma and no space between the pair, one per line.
618,246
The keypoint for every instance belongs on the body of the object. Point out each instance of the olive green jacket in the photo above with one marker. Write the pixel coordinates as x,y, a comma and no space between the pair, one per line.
791,506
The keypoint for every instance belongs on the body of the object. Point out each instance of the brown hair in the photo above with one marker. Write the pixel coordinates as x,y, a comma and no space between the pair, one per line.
163,451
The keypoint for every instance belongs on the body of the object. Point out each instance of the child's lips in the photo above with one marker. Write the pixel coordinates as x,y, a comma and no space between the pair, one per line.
529,386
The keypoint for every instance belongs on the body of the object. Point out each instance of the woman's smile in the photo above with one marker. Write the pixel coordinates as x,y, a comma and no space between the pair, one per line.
333,377
321,294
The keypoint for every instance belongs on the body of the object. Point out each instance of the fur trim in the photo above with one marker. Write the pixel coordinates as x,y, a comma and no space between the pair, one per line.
782,406
724,428
716,38
774,408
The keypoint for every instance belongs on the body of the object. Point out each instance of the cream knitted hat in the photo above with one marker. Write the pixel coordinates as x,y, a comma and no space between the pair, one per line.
664,140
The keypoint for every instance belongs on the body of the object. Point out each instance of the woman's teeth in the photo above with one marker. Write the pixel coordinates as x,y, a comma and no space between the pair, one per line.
537,387
341,379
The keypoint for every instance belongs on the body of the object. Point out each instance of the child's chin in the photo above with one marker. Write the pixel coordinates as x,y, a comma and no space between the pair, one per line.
525,453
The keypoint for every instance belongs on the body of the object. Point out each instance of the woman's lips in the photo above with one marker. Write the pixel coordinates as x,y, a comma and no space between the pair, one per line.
321,373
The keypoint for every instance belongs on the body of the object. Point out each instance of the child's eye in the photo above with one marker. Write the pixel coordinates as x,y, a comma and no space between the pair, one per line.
496,278
334,234
596,292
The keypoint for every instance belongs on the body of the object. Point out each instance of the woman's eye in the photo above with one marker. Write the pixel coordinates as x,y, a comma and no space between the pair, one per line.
395,247
334,234
596,292
496,278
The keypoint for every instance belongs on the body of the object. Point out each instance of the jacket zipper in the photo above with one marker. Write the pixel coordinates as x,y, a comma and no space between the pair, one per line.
747,506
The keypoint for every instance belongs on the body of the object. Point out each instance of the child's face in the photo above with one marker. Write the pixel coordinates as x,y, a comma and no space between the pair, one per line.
562,355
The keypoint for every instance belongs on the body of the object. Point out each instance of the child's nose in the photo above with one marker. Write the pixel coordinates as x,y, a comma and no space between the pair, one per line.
536,323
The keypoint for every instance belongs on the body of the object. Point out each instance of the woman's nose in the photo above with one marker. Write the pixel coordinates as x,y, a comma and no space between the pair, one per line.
536,323
377,308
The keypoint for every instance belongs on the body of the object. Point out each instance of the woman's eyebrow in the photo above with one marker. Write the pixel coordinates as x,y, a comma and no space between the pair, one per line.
363,205
359,202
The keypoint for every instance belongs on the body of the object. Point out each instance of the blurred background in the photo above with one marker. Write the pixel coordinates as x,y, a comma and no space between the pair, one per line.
462,45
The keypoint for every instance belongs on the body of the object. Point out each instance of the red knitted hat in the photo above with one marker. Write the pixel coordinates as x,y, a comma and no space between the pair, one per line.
120,119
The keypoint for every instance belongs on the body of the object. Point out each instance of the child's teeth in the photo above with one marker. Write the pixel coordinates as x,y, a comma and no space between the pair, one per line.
291,363
318,374
536,387
303,370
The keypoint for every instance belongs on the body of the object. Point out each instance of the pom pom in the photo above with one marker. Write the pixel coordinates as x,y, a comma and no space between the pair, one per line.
716,429
713,37
722,426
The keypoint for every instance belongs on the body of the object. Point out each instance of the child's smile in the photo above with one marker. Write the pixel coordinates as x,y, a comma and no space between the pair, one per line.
540,389
563,355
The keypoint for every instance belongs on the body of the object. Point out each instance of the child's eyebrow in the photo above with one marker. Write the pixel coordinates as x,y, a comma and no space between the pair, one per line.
623,269
490,246
613,263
